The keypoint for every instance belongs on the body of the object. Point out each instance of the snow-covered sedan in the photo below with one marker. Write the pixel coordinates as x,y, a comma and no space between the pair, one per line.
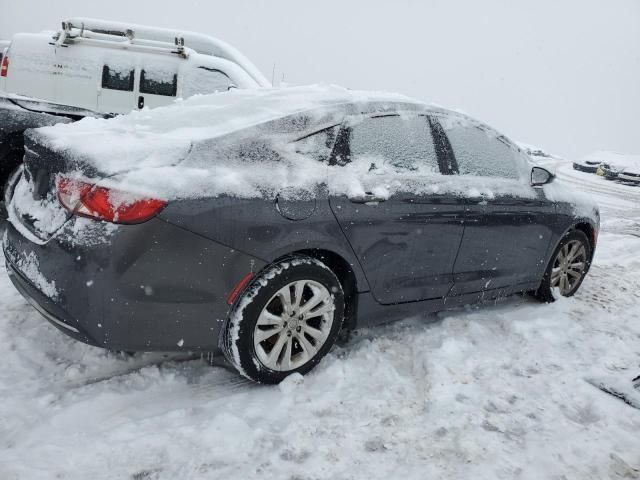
262,223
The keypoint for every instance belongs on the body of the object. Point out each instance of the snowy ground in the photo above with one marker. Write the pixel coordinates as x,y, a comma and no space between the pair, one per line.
491,392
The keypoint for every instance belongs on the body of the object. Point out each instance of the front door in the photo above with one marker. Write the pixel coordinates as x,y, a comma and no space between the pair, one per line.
403,228
507,222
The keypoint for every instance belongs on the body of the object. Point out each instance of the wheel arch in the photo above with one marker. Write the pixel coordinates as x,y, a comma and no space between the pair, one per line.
345,273
589,230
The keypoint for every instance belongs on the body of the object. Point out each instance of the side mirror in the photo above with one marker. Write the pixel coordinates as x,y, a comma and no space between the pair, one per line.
540,176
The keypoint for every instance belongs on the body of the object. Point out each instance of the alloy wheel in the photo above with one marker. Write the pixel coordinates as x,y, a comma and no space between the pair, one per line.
569,267
294,325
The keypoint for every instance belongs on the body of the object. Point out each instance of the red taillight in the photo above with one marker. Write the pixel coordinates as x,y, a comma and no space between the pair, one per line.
4,68
110,205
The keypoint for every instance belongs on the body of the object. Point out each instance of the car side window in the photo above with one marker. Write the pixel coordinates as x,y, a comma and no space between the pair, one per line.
318,145
158,83
117,79
404,143
481,153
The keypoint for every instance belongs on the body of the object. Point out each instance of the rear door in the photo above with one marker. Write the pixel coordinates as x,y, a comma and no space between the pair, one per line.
117,93
507,222
403,229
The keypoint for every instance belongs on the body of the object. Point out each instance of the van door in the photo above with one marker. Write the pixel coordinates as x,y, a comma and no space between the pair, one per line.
157,86
116,93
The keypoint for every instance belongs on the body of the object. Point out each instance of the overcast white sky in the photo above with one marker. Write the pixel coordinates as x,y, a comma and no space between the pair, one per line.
564,75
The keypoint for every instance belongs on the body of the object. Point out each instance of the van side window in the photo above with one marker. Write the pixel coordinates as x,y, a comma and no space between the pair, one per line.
166,85
117,79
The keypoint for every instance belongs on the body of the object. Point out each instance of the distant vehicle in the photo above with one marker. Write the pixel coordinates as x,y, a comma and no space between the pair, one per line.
94,67
620,167
588,166
630,176
276,218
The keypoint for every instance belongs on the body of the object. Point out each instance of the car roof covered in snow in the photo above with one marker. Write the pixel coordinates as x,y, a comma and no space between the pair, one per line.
164,135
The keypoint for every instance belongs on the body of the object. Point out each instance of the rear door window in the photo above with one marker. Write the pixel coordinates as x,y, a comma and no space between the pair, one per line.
318,145
403,143
481,152
158,83
115,78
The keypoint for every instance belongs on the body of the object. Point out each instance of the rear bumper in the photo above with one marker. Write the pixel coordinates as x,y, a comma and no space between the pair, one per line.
46,307
148,287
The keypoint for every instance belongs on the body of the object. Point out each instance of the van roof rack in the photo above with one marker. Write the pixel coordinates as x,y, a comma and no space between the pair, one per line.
127,39
175,41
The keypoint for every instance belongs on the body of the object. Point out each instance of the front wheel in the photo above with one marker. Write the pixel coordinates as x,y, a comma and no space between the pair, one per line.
286,321
568,266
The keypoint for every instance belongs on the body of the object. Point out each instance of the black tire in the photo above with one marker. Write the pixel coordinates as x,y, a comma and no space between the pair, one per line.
545,292
237,340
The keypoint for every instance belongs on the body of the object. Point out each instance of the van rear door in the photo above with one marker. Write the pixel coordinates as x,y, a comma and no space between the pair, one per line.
117,89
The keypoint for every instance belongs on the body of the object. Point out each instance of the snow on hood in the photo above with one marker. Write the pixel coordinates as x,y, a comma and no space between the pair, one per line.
164,136
617,161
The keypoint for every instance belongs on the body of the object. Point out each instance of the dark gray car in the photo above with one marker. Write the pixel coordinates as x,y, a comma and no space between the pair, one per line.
409,209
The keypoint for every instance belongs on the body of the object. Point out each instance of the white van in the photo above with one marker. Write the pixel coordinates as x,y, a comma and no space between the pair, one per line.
111,67
95,67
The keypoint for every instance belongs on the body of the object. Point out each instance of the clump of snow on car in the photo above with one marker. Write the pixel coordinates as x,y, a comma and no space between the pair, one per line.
87,232
369,174
29,266
46,215
583,206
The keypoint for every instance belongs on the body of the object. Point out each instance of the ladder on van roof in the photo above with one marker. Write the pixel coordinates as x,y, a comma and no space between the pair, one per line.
174,41
126,39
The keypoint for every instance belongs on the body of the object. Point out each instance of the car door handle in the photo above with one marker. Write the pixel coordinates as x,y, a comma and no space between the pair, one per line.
368,197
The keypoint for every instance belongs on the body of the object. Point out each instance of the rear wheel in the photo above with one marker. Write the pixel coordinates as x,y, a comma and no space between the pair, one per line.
286,321
568,266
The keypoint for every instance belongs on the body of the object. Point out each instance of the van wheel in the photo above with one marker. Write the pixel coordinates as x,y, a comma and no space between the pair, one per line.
567,268
285,321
